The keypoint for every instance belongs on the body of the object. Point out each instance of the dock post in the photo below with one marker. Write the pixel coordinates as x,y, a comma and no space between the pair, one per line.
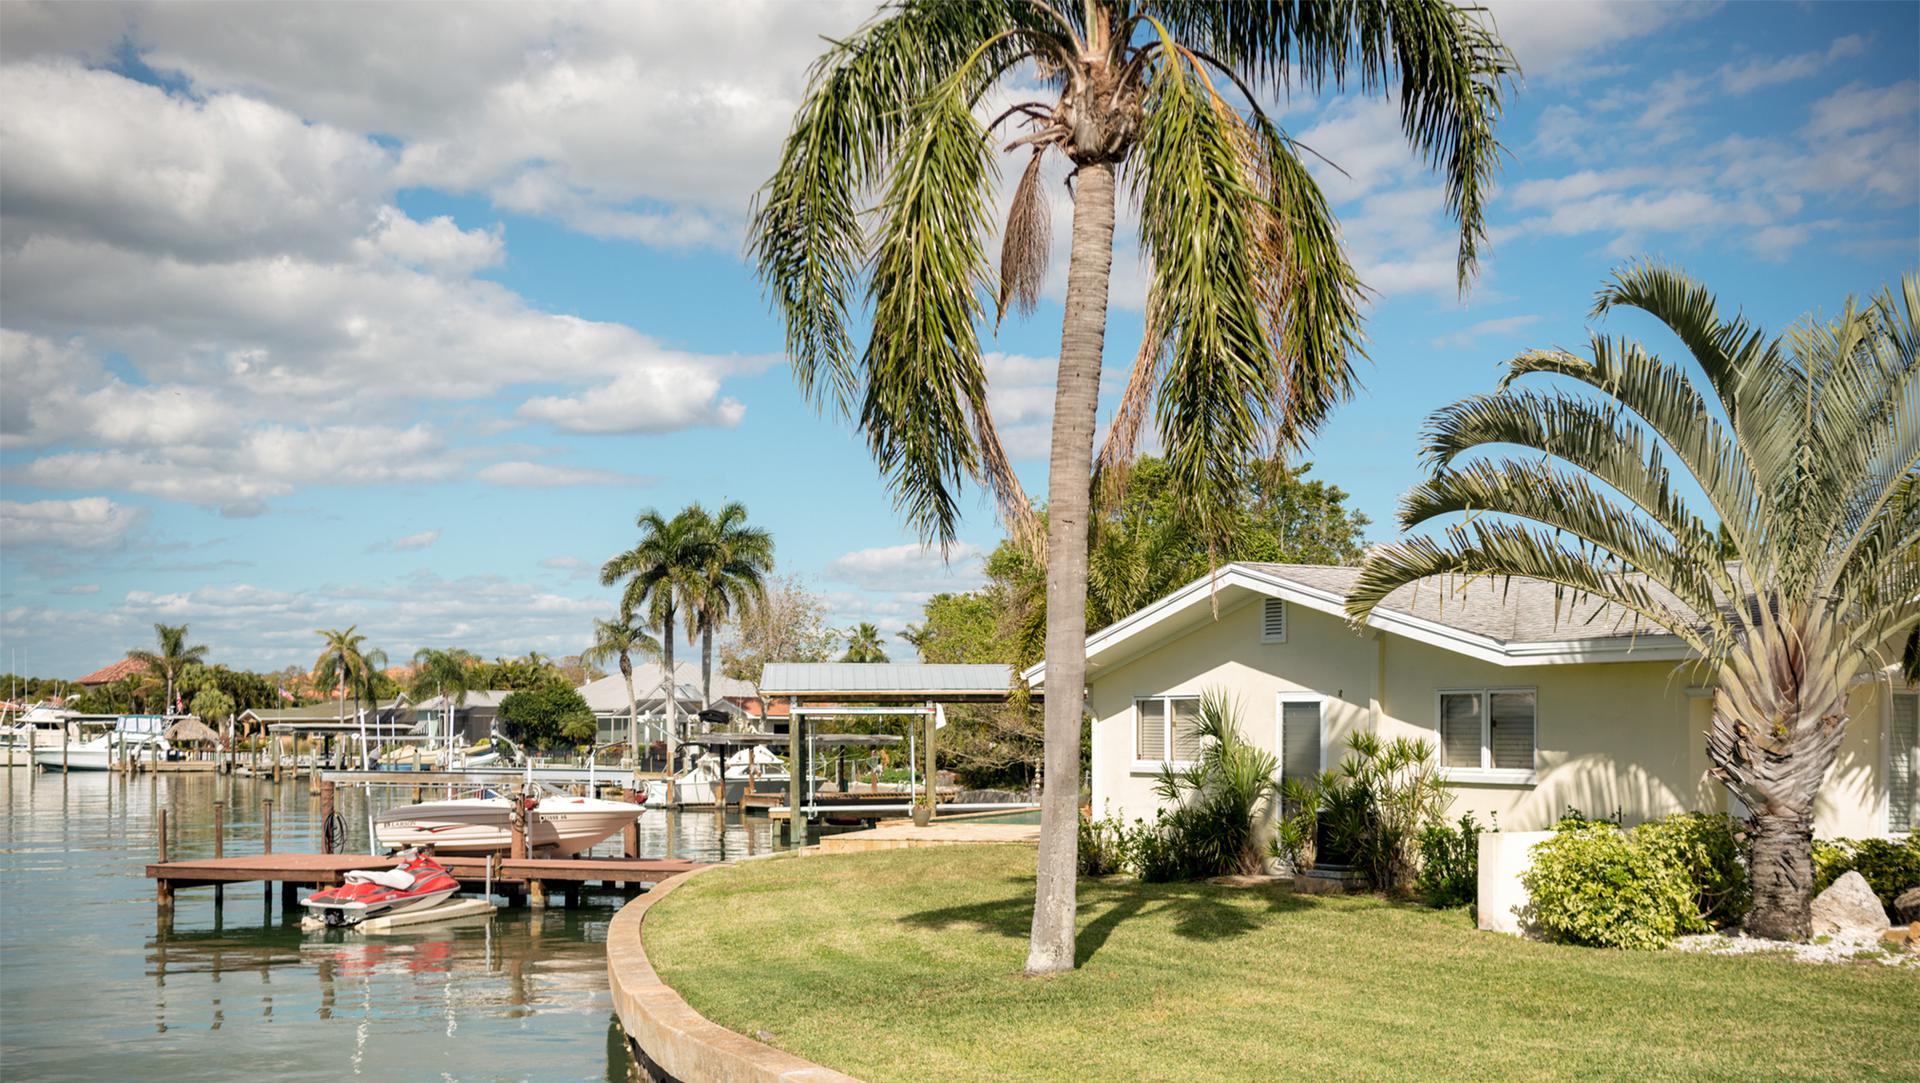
537,894
266,826
630,841
63,748
933,777
289,897
276,758
796,770
163,895
326,817
219,850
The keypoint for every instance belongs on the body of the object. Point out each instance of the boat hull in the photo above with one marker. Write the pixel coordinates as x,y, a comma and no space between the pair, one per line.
563,826
75,759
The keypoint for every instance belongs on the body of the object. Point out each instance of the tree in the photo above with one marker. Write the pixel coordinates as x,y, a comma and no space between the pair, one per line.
547,716
618,641
173,656
731,580
447,675
863,644
663,575
789,624
211,704
1807,450
1253,311
340,664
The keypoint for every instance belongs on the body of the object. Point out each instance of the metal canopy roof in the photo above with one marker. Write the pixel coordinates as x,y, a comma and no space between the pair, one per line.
869,681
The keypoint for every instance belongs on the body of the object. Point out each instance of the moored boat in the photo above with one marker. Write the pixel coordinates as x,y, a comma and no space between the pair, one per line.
560,823
415,883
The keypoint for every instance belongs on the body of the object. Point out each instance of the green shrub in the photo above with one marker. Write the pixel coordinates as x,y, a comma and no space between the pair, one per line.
1890,866
1103,846
1450,863
1596,885
1708,851
1373,806
1158,851
1224,806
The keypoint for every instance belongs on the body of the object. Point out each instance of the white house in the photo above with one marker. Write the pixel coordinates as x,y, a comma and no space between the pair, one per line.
1534,704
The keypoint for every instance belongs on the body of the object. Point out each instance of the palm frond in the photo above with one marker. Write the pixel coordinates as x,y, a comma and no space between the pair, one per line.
1023,249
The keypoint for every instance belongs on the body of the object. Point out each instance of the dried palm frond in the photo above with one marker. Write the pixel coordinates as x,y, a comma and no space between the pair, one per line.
1023,252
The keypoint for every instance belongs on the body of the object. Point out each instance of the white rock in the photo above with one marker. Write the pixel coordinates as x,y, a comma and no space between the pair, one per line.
1848,908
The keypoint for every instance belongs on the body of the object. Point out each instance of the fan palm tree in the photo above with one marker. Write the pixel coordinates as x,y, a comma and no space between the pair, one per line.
1253,314
619,640
863,644
446,674
738,558
1807,449
340,663
172,656
663,576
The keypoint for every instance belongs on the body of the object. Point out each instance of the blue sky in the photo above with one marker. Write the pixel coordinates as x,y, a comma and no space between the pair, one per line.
318,315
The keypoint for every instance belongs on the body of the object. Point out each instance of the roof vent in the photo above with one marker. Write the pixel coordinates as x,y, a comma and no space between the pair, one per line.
1273,620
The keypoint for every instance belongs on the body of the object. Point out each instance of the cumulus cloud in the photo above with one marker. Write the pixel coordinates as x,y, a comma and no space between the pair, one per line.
89,522
1501,327
911,567
406,543
546,475
1767,71
673,393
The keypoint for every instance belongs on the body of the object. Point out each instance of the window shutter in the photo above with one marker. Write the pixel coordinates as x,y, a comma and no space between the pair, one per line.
1150,730
1186,729
1273,620
1460,729
1511,736
1903,745
1300,741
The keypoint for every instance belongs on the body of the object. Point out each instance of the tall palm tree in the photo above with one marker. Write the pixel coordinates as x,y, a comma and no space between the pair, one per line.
1807,449
738,558
1253,313
663,574
340,663
445,674
619,640
863,644
172,656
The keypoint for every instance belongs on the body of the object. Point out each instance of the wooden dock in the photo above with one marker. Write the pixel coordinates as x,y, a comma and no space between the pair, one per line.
511,877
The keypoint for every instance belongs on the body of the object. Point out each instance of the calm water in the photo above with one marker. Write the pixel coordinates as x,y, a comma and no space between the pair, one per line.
94,986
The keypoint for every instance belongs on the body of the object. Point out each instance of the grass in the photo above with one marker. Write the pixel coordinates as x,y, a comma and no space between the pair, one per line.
904,965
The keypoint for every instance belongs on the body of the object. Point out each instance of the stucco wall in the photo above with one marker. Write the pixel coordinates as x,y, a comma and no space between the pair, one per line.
1615,737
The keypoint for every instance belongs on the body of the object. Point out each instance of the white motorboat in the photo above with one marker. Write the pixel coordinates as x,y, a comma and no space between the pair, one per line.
103,752
561,824
754,766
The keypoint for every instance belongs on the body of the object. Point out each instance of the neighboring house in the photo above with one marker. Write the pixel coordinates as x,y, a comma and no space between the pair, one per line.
112,672
1534,703
387,714
607,697
473,719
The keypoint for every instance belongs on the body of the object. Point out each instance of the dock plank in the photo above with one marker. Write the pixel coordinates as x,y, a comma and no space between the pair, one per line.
332,868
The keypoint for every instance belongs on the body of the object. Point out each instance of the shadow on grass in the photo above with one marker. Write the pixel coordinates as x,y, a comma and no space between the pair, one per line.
1200,911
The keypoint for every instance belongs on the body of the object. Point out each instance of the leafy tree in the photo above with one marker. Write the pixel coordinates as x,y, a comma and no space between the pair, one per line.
547,716
173,656
788,624
1253,312
213,706
1807,450
730,580
618,641
863,644
663,575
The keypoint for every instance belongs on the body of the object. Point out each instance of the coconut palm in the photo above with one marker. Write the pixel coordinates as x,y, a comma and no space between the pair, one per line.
619,640
340,663
663,576
172,656
863,644
1253,308
444,674
733,578
1807,450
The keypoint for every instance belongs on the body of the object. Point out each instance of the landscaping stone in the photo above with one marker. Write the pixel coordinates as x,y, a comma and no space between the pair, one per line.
1906,906
1848,908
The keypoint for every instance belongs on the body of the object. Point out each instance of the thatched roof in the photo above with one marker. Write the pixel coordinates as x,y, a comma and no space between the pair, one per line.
191,729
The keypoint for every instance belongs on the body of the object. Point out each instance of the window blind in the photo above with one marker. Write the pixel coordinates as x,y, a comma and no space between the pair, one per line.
1150,730
1186,734
1903,746
1300,741
1460,729
1510,733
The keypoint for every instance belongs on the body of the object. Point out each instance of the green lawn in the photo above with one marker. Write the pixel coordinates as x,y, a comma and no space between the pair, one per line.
905,965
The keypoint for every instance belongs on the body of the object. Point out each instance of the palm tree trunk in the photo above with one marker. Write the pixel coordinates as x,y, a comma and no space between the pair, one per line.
1781,864
706,663
671,703
633,711
1076,400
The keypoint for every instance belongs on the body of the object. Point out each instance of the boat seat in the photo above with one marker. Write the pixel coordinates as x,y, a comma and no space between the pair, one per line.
398,879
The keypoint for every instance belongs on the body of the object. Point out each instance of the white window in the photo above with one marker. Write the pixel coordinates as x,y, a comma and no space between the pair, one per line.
1166,730
1903,761
1487,734
1303,737
1273,620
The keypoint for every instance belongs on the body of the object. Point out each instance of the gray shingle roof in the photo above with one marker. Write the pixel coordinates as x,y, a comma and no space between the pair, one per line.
853,679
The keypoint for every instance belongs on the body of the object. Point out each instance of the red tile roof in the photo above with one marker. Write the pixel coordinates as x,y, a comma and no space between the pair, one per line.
124,668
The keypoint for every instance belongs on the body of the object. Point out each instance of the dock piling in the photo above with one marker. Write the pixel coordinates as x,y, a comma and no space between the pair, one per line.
163,897
219,849
266,826
326,817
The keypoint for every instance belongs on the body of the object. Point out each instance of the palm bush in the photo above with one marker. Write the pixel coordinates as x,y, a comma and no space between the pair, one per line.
1807,451
1223,805
1374,804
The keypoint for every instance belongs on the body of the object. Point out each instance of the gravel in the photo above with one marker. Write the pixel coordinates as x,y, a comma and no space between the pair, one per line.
1821,949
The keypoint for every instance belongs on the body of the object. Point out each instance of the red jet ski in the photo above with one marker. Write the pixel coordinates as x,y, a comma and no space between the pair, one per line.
416,883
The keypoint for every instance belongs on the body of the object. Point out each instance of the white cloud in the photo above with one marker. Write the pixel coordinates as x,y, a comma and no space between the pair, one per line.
672,393
407,543
1556,41
1768,71
1500,327
90,522
911,568
76,589
546,475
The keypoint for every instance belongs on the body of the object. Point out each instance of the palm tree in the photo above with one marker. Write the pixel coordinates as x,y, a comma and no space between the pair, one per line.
738,558
1807,450
446,674
1253,313
340,663
173,656
619,640
663,575
863,644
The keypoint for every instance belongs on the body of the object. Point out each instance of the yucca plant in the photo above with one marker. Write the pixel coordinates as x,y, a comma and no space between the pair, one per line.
1807,451
1253,312
1228,800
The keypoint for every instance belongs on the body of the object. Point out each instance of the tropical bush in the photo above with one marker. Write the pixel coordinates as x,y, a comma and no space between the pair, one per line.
1594,883
1371,808
1450,862
1889,866
1103,846
1224,806
547,716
